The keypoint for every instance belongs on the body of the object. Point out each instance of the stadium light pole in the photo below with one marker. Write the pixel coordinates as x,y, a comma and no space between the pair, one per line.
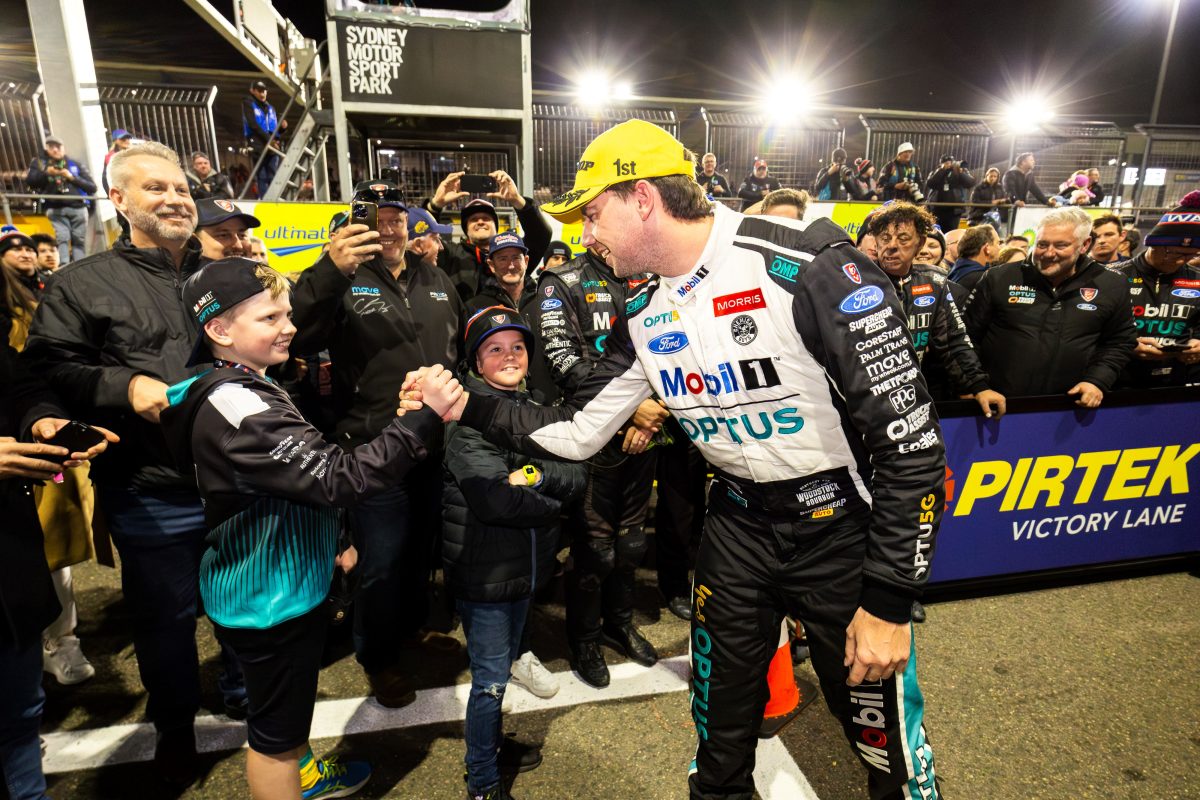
1162,70
1140,186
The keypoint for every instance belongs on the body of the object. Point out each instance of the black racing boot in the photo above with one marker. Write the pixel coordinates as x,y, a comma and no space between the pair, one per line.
680,607
588,661
630,641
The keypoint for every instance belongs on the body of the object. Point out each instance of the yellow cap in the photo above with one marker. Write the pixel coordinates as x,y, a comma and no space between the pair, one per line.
629,151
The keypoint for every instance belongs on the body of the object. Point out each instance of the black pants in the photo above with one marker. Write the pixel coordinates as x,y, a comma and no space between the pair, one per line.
609,547
679,516
757,562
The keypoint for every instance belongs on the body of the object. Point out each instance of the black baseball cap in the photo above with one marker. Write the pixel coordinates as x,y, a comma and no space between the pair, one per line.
477,206
214,210
259,85
214,289
487,321
384,194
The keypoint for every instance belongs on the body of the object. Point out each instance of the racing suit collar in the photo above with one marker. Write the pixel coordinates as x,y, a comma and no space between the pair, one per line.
681,290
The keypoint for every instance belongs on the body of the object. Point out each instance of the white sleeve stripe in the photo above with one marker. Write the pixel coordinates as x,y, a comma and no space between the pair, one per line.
235,403
774,247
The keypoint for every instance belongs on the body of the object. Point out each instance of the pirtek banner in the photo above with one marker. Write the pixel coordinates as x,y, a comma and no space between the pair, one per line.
1057,489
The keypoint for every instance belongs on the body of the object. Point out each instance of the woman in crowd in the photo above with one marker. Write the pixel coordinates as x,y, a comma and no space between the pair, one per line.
987,195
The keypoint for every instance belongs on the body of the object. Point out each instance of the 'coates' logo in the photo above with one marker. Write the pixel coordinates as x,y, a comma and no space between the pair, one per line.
225,205
851,271
1088,294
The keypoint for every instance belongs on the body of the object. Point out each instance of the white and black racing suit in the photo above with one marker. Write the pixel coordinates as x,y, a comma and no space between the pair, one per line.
784,355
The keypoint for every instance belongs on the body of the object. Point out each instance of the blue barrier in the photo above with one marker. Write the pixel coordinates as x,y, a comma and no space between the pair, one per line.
1047,490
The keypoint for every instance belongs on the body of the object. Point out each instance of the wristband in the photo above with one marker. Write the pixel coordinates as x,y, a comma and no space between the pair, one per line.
532,476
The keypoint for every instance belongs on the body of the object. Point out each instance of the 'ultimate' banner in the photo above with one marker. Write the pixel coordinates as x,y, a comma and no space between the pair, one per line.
1057,489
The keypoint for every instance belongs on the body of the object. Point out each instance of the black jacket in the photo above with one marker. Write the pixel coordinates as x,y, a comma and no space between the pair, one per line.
1018,186
716,179
936,325
985,193
80,184
215,185
27,600
466,264
103,320
1035,339
751,190
376,329
1166,307
946,185
841,186
580,302
499,540
895,172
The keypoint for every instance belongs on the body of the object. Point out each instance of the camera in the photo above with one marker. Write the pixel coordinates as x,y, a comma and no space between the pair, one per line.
915,192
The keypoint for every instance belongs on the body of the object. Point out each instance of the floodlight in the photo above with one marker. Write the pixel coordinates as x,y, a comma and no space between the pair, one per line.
1028,113
593,88
786,99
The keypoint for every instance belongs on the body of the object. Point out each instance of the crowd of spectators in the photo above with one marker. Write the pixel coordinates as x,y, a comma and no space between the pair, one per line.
133,339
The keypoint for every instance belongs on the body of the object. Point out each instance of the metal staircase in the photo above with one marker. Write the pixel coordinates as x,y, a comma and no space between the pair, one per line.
304,155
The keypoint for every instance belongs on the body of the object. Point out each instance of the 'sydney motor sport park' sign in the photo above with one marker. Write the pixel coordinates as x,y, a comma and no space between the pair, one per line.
1048,490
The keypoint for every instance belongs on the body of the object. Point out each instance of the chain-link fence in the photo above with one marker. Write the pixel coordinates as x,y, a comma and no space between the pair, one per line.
22,111
1062,149
794,152
561,132
964,139
1172,164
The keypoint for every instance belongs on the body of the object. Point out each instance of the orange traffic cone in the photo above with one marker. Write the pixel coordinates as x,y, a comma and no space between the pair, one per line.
781,680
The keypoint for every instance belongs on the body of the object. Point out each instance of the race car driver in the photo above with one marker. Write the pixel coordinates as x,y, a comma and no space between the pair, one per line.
1165,293
753,344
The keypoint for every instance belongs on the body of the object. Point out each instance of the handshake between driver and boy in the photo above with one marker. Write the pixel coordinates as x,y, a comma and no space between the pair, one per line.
436,387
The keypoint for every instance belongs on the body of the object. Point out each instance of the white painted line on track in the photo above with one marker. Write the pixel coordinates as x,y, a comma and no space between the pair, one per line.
68,751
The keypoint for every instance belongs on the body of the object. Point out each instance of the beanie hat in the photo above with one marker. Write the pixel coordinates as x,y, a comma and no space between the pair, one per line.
861,165
1179,227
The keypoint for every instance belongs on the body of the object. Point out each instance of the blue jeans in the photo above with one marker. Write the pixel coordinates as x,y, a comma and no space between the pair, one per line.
266,174
70,231
395,532
161,538
20,717
493,642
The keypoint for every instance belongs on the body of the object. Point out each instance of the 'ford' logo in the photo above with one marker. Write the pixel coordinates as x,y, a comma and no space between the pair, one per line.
1189,293
551,304
861,300
926,300
668,343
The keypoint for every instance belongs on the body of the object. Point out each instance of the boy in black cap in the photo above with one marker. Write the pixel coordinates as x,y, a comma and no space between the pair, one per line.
223,228
271,486
499,541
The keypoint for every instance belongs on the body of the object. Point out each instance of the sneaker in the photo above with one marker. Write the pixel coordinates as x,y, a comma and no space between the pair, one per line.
529,673
516,756
63,659
338,779
629,640
237,708
392,689
588,661
175,757
497,792
918,612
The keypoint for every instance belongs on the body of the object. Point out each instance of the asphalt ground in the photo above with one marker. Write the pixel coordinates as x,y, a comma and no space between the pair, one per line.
1081,692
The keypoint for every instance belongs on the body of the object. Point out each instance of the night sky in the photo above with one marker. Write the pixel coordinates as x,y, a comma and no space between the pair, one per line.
1096,59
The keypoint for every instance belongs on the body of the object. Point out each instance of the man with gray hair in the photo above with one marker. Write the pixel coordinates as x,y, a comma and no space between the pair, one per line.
1057,322
110,335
